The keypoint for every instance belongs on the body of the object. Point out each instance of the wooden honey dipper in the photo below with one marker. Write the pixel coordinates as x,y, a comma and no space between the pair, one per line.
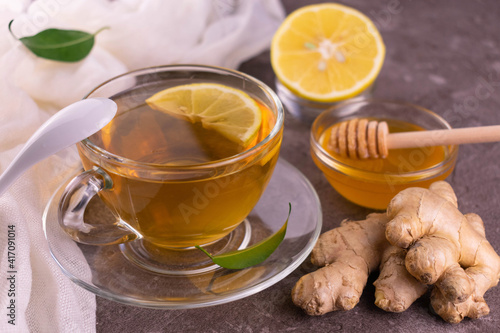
361,138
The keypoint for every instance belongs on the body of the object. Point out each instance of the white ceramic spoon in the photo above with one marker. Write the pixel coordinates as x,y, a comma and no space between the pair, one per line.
67,127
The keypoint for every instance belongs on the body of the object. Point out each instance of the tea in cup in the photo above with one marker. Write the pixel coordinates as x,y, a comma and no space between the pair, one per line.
183,162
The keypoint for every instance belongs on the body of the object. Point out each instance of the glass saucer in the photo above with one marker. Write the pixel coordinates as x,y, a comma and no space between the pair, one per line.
105,271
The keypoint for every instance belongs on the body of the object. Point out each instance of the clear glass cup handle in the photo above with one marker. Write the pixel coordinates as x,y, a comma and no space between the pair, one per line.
72,206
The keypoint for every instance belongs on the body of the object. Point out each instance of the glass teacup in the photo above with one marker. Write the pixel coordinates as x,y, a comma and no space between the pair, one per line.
171,187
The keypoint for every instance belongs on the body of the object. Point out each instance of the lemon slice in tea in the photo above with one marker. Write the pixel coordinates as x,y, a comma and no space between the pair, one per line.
229,111
327,52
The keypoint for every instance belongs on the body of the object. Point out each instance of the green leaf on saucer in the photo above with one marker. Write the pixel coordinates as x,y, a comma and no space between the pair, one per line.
59,45
252,255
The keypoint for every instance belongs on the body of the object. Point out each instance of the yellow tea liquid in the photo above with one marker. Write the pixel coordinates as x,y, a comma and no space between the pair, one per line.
384,179
185,209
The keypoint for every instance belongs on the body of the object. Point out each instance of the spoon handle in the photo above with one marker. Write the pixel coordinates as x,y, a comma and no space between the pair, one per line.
443,137
30,154
65,128
9,175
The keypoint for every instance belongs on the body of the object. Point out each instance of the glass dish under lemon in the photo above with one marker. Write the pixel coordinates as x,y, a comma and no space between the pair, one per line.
373,183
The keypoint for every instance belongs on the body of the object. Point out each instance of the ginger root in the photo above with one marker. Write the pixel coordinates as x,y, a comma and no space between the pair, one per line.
349,254
445,248
422,239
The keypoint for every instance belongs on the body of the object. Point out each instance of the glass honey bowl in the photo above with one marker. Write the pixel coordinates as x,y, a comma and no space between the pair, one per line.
372,183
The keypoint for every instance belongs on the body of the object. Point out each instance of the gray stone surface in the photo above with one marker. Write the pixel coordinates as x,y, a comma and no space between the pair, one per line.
438,53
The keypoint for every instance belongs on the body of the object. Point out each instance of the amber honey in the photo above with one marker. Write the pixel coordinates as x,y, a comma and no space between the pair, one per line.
374,182
165,184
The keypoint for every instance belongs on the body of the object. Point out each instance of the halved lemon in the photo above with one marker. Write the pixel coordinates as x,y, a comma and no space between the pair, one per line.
229,111
327,52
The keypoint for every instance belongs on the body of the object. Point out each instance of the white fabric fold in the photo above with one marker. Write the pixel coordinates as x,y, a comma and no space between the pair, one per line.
141,33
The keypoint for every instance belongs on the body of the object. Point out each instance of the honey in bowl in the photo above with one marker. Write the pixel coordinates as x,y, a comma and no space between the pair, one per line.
373,183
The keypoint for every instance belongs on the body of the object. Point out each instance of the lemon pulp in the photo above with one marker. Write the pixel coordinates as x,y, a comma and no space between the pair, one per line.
327,52
229,111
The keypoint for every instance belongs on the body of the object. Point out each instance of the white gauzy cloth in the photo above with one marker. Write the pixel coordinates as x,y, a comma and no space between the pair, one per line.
141,33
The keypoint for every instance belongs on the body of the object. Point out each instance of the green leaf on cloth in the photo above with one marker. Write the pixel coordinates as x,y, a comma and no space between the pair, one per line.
60,45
